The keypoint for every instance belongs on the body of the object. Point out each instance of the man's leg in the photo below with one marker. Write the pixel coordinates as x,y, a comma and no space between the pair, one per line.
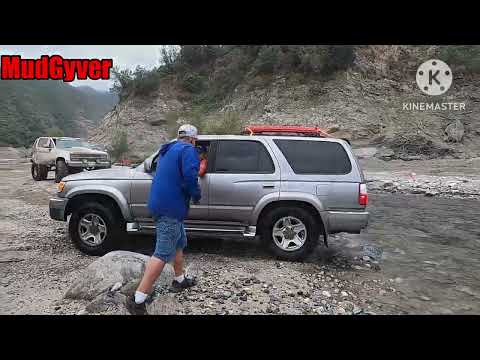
164,252
178,264
152,271
181,281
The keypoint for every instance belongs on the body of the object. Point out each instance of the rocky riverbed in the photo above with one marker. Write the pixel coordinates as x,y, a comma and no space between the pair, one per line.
419,255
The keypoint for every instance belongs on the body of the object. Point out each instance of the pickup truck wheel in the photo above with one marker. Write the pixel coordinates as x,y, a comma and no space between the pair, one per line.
61,170
290,233
39,172
94,229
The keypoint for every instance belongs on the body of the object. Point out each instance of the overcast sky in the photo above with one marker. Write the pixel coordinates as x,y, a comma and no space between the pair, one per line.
123,56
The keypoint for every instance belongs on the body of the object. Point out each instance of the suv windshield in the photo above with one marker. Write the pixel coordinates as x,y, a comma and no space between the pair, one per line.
70,143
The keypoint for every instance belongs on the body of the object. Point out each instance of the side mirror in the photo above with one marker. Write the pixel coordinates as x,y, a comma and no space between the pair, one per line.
147,166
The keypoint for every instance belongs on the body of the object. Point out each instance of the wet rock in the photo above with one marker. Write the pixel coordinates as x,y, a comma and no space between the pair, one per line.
430,192
372,251
454,132
108,303
385,154
115,267
163,305
326,294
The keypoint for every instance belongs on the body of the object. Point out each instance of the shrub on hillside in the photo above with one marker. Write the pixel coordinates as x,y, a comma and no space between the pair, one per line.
465,55
229,123
145,81
193,82
119,147
55,132
267,59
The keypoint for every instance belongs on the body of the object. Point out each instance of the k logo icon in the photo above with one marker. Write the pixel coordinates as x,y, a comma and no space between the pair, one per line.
434,77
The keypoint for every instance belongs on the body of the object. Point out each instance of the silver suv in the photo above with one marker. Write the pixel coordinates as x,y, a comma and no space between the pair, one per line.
288,190
66,156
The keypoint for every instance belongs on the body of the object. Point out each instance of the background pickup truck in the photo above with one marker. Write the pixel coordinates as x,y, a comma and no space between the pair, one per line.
66,156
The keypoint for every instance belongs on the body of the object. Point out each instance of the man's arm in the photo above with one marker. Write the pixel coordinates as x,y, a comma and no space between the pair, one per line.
203,168
190,167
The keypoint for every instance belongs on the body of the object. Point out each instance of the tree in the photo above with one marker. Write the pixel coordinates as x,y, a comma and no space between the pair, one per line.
55,132
122,82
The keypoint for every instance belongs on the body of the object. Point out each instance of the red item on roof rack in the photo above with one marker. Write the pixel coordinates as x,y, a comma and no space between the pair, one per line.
313,131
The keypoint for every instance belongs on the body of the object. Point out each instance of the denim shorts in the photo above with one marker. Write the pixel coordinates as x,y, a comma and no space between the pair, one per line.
170,238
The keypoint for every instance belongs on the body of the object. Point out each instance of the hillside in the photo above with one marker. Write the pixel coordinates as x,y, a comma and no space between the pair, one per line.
357,91
29,109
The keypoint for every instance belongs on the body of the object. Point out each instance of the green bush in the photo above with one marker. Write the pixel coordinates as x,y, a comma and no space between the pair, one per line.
340,57
267,59
465,55
145,81
230,123
193,82
119,147
55,132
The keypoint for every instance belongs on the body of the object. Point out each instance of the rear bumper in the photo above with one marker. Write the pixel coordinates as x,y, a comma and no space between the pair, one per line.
347,221
57,208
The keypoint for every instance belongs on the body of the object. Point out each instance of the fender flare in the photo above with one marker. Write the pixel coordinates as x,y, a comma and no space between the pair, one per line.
310,199
109,191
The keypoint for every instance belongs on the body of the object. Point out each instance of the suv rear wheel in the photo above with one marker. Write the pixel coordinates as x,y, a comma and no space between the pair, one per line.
61,170
39,172
94,228
290,233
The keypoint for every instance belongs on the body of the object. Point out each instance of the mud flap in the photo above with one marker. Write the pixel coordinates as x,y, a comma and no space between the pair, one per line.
325,238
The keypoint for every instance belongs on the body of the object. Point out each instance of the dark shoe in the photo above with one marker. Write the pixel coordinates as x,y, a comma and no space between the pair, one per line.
134,308
185,284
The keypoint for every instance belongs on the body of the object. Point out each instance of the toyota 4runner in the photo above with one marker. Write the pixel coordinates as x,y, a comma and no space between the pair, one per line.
291,191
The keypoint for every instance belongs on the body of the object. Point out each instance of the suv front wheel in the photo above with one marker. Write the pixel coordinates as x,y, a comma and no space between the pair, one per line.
291,233
94,228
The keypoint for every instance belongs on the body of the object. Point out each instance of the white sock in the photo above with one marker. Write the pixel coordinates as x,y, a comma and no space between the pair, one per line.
140,297
180,278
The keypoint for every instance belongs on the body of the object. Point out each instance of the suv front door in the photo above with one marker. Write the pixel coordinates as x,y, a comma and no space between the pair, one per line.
244,171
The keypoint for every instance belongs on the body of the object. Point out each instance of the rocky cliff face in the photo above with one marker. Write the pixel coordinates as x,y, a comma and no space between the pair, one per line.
145,121
364,103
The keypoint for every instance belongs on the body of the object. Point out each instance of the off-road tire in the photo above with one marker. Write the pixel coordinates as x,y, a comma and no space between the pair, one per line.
305,216
61,170
39,172
115,228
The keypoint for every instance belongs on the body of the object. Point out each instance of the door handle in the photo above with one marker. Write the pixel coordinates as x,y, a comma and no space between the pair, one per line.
268,186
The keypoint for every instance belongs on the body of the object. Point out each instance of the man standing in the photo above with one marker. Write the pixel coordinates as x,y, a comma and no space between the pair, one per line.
174,184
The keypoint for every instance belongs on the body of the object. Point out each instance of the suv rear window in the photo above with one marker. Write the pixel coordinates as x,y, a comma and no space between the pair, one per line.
243,156
315,157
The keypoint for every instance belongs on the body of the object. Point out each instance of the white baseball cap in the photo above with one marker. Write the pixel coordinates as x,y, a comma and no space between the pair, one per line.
188,130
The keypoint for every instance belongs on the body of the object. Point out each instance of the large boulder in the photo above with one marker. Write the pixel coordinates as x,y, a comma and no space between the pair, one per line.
454,131
122,269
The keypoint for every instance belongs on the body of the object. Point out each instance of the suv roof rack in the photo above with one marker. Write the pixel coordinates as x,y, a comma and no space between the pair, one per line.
286,130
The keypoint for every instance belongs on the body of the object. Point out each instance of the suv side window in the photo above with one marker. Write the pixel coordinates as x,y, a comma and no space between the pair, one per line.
315,157
43,142
242,156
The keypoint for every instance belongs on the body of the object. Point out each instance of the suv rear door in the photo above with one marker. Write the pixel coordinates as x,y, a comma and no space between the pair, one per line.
321,167
243,172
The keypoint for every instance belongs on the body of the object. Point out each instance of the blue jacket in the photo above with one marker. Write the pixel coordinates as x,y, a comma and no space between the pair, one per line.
175,181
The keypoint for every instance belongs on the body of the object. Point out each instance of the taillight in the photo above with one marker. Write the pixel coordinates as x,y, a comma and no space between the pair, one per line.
362,195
